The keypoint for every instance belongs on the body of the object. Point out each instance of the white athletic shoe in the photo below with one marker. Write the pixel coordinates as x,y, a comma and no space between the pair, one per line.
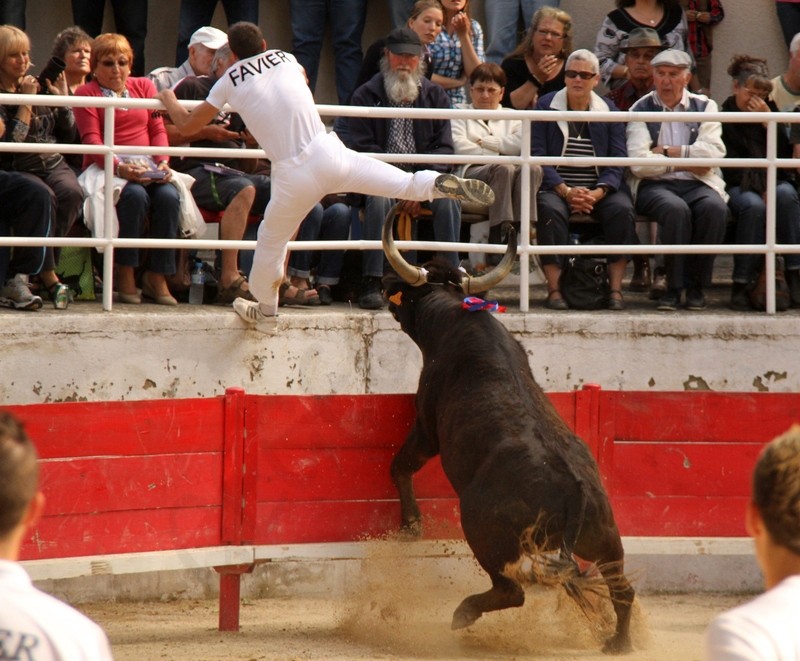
250,312
16,294
471,190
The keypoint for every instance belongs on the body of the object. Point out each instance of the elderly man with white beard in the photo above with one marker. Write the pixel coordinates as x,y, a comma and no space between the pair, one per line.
401,84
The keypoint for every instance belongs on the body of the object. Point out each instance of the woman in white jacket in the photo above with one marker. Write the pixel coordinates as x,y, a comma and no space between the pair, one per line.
493,137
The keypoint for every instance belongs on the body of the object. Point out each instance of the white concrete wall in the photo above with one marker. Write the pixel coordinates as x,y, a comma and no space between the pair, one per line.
750,26
85,354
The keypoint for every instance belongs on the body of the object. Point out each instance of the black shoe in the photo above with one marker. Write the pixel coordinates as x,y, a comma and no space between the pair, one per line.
695,300
325,295
740,299
371,297
555,303
670,301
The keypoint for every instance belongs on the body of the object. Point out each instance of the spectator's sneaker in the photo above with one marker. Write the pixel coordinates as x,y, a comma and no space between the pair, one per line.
470,190
16,294
695,300
251,312
670,301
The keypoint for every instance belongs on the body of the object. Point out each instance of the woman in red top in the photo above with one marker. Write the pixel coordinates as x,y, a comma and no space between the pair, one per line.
142,195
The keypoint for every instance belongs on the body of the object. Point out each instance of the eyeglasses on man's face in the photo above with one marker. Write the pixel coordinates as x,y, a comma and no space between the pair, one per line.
550,33
583,75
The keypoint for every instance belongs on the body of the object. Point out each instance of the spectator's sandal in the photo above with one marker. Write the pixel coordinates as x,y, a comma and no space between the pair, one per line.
229,294
301,297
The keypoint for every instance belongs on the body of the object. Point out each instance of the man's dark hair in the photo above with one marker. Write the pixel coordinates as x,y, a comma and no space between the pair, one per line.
245,39
19,473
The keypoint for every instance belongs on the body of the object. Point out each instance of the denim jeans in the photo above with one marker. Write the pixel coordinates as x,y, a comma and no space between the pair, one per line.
130,19
502,19
332,224
25,210
162,203
750,212
446,219
194,14
400,12
346,18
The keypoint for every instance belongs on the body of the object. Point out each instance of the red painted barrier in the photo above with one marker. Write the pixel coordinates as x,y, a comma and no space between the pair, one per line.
245,469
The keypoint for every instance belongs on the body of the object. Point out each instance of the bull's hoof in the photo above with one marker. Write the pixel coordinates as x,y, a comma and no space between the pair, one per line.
618,645
411,531
463,618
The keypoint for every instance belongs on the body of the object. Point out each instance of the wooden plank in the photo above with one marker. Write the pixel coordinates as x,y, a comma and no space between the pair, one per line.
82,429
120,484
680,516
232,467
706,417
113,532
341,474
301,522
683,469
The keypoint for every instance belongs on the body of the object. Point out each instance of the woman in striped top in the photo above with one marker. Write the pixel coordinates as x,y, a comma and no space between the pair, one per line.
581,189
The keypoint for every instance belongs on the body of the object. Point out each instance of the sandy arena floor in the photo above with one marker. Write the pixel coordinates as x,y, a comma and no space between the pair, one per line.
408,627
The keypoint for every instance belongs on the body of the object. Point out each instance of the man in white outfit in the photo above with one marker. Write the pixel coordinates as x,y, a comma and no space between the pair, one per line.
765,629
33,625
269,90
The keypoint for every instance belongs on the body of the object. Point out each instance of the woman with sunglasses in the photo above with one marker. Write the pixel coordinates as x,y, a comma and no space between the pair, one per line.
581,189
747,186
536,66
146,194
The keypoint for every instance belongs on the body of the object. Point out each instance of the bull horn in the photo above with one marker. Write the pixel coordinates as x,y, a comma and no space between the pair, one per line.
485,282
413,275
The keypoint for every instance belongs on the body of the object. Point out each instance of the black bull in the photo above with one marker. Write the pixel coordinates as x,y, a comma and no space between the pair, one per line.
520,473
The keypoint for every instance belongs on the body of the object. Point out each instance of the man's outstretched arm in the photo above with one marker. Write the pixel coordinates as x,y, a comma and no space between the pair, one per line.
188,123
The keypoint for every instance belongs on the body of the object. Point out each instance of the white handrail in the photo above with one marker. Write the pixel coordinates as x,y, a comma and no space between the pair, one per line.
770,248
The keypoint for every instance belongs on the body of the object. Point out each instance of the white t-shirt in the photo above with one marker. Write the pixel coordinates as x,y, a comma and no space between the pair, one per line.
764,629
270,93
37,627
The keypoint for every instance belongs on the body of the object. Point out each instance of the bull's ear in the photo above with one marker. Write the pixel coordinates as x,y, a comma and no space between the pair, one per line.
397,298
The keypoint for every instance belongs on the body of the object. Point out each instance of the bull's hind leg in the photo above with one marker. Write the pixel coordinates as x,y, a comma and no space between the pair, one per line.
505,593
412,456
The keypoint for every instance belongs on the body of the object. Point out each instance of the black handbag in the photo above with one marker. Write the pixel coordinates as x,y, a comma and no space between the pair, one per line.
584,283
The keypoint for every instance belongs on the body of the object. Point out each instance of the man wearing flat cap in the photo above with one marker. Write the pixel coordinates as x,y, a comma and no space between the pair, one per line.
687,202
203,44
401,84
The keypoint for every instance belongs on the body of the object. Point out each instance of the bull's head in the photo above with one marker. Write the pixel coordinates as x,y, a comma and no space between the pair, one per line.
417,276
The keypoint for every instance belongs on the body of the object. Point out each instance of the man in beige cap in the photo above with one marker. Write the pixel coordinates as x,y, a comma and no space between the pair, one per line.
202,46
689,203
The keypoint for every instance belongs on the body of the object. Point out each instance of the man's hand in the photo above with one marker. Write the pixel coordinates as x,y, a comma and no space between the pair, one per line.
580,200
412,207
219,133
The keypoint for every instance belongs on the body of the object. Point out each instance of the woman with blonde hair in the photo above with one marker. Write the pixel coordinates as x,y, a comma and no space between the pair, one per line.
536,66
40,125
146,194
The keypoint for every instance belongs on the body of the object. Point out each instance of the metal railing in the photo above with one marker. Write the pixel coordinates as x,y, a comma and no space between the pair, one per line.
109,243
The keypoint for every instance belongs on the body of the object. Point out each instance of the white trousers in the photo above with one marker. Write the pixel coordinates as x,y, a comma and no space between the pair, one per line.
326,166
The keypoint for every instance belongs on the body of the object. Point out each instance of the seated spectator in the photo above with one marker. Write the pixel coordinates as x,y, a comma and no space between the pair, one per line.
142,196
641,46
457,50
688,202
328,221
236,193
502,18
664,16
202,46
194,14
766,627
34,624
494,137
747,186
536,66
567,189
73,46
401,85
25,209
426,19
40,125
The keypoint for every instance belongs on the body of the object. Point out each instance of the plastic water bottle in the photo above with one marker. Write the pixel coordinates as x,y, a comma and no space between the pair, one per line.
198,284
